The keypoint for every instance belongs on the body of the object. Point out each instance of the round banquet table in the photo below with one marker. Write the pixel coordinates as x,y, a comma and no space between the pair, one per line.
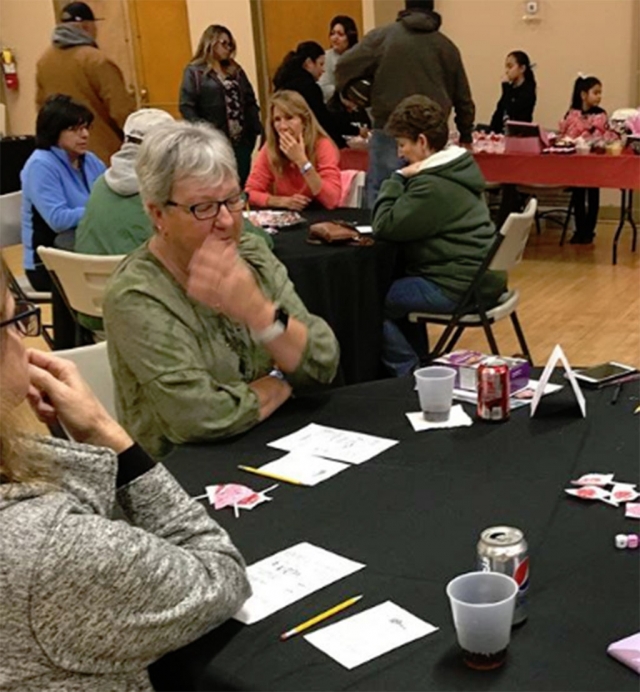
344,285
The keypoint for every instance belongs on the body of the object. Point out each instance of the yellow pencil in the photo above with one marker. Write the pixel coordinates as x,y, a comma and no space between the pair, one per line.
268,474
319,618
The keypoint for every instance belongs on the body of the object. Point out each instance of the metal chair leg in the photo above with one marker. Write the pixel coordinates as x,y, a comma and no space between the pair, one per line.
520,335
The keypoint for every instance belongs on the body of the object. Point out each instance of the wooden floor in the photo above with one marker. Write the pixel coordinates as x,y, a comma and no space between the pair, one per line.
571,295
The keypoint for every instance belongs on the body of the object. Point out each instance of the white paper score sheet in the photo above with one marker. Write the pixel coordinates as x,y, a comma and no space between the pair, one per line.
304,468
334,443
370,634
289,575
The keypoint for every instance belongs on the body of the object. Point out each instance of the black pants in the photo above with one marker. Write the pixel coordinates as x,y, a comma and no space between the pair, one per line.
586,204
64,325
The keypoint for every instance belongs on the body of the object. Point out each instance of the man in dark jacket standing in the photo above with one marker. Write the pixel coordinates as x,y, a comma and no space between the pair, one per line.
409,56
75,66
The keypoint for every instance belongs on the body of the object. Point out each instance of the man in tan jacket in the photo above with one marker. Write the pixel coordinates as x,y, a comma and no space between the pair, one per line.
74,65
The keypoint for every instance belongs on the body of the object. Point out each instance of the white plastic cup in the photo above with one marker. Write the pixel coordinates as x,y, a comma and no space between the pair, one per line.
482,604
435,391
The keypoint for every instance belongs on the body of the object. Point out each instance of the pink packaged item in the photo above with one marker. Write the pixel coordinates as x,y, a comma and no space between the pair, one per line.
522,138
466,363
627,651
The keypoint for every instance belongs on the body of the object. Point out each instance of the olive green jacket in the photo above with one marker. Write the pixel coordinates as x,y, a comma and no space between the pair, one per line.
182,370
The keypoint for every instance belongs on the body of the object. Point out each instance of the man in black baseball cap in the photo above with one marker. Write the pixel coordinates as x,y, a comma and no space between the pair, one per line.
74,65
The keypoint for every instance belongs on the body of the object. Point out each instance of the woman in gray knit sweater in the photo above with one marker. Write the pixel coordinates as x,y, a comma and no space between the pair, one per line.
89,602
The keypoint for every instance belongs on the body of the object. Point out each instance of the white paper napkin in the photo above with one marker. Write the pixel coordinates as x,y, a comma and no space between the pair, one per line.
457,419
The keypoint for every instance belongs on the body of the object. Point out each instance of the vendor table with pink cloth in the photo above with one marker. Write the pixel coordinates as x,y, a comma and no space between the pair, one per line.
574,170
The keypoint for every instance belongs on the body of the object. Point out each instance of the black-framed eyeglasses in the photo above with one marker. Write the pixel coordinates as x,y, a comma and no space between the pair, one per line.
209,210
26,318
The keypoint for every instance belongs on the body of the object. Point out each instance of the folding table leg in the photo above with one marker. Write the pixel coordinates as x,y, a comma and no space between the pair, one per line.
626,214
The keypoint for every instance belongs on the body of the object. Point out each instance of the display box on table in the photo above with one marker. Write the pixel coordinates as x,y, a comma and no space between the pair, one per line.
466,363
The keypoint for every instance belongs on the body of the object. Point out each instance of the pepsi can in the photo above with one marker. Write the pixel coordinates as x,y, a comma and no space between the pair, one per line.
504,549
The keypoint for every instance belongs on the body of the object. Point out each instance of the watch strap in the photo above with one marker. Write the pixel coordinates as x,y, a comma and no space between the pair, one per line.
275,329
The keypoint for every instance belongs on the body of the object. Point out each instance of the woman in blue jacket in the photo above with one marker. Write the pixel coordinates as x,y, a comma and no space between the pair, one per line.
56,180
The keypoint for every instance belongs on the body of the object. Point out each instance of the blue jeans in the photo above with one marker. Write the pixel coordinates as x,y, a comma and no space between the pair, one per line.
383,160
404,343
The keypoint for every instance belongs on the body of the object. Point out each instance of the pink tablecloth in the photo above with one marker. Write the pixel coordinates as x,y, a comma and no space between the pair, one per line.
593,170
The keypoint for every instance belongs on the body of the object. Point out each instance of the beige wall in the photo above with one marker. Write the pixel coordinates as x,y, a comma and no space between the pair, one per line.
25,26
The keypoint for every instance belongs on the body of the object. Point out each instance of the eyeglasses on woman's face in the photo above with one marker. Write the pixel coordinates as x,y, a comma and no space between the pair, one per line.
203,211
26,318
225,43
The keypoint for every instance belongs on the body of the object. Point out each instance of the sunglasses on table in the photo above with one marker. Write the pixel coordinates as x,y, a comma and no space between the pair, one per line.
26,318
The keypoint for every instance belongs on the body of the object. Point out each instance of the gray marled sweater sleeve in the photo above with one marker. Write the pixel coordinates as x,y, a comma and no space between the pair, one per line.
109,597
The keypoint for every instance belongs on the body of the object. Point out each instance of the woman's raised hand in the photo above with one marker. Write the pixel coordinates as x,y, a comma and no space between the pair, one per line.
293,148
57,392
221,279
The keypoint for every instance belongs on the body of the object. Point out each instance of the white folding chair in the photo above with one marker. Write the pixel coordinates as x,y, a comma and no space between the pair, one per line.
10,235
471,311
93,363
353,198
81,280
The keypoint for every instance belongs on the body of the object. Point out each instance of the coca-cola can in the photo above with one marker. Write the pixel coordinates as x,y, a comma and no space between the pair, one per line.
504,549
493,390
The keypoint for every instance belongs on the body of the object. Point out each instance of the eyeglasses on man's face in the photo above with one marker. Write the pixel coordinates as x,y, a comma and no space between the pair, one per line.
26,318
204,211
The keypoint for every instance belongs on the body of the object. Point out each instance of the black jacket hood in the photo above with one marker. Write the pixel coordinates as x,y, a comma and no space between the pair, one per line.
418,20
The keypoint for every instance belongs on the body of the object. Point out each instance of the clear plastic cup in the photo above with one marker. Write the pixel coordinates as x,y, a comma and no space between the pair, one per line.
482,605
435,391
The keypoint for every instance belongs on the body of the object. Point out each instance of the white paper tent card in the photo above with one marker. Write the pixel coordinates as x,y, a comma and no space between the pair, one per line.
369,634
333,443
558,355
289,575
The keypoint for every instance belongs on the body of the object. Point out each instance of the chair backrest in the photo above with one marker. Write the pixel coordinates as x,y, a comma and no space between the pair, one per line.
10,219
83,278
353,188
93,364
515,233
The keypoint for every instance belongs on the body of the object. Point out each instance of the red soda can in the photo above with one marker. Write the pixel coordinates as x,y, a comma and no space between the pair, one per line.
493,390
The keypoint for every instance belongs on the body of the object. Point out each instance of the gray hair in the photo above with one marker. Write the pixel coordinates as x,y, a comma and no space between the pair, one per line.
180,150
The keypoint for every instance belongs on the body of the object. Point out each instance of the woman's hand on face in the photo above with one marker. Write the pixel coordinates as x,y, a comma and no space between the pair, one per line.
293,148
58,392
221,279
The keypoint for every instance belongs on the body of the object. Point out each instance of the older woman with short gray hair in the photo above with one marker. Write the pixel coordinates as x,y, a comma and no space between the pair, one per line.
206,334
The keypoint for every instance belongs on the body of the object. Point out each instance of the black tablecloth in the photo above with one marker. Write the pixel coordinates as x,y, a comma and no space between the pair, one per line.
345,286
413,515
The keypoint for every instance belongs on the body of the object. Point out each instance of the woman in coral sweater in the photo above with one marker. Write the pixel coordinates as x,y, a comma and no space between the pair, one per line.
299,163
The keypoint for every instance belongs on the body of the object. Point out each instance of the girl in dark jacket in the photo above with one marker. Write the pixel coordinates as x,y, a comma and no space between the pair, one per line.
518,92
216,89
300,71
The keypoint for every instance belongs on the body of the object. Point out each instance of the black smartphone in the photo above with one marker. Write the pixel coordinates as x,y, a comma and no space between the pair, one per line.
597,375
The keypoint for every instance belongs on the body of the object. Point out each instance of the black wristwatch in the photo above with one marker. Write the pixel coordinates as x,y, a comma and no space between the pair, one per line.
275,329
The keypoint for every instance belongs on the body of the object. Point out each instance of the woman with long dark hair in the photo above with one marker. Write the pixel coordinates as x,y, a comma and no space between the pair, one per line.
216,89
518,92
300,71
343,34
